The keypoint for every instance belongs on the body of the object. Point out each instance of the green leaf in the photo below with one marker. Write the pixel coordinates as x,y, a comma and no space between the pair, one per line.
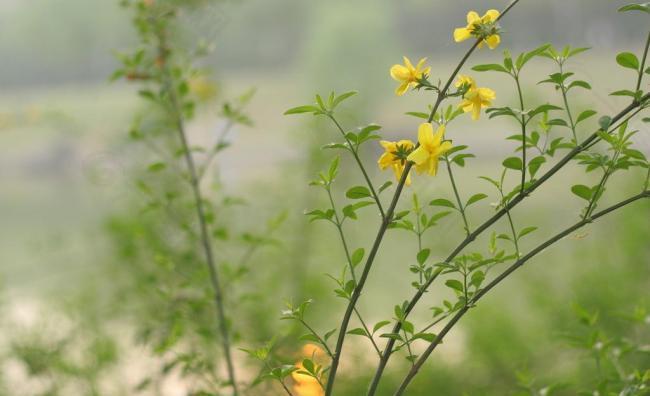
490,67
357,256
334,169
358,331
343,97
580,83
475,198
535,164
418,114
423,255
582,191
526,231
442,202
584,115
302,109
543,109
434,218
624,92
385,186
379,325
513,163
526,57
454,284
156,167
358,192
643,7
628,60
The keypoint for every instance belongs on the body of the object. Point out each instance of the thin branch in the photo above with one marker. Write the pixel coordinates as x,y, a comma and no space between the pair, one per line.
519,263
461,208
200,213
355,154
645,58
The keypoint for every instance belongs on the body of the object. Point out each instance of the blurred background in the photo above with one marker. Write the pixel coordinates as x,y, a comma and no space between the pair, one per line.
66,175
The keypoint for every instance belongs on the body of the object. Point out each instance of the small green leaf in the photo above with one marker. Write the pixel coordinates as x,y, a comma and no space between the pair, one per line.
358,331
442,202
423,255
582,191
526,231
513,163
580,83
357,256
333,169
418,114
475,198
379,325
490,67
643,7
358,192
302,109
343,97
584,115
156,167
628,60
454,284
385,186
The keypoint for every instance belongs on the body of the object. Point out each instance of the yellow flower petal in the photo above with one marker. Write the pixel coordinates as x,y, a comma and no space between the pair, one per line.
418,156
476,111
493,41
444,147
491,16
399,73
486,94
385,160
401,90
421,63
461,34
425,135
473,17
433,166
437,137
408,64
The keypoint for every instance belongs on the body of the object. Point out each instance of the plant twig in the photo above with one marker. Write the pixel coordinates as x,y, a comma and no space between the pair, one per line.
200,213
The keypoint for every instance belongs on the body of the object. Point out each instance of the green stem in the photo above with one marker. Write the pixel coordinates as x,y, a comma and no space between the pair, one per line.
461,208
200,213
523,133
567,107
367,329
355,154
315,334
339,227
601,186
481,293
643,61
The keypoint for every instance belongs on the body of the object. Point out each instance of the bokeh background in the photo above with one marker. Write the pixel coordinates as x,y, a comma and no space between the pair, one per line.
66,173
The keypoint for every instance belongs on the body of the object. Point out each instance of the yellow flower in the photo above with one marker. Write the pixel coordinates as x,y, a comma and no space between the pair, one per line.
427,155
475,99
202,87
479,27
390,159
305,385
408,75
465,80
